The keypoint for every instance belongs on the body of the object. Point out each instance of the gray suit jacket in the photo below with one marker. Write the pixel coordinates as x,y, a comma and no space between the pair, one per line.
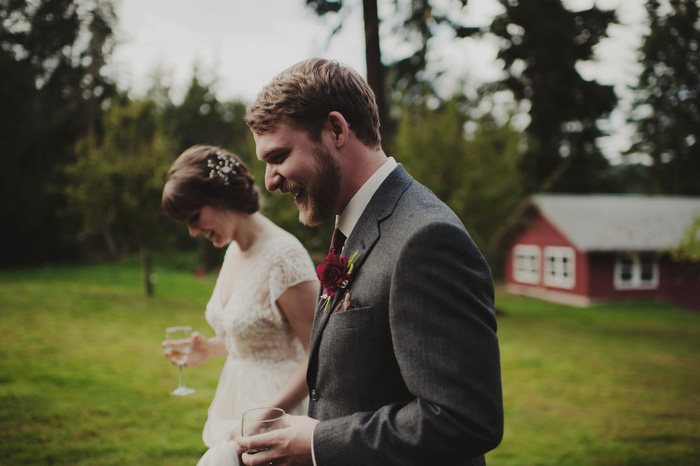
410,374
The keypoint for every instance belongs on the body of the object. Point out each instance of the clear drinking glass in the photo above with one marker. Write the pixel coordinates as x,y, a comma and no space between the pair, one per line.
180,345
260,420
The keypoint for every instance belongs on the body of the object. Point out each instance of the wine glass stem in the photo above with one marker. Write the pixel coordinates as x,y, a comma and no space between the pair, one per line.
182,382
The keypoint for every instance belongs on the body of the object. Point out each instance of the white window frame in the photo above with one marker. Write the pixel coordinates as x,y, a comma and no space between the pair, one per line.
634,264
526,264
559,267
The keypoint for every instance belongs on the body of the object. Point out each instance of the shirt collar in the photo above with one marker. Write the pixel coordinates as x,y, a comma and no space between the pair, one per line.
347,220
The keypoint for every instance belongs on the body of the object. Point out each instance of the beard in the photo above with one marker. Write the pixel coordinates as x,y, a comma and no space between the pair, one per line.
322,190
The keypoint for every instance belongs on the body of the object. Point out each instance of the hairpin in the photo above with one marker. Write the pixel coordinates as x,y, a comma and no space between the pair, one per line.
222,166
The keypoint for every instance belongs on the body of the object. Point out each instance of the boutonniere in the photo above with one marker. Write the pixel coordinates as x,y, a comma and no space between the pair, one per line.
335,273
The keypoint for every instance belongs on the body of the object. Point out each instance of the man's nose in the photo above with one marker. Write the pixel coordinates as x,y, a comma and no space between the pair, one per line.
194,231
272,178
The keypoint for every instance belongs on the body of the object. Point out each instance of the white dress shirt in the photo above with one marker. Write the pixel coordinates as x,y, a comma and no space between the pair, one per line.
347,220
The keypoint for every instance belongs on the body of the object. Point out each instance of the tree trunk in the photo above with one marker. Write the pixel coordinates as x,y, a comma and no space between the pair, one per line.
375,68
146,268
111,244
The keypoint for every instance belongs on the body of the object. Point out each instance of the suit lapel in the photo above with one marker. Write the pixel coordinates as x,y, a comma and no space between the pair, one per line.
369,235
361,240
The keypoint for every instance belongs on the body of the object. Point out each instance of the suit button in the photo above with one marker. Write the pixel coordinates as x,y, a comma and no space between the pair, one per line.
314,395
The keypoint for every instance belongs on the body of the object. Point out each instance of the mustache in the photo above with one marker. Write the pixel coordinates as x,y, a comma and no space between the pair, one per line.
291,186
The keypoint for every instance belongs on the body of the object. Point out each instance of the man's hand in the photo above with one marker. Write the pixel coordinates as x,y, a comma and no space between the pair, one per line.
290,446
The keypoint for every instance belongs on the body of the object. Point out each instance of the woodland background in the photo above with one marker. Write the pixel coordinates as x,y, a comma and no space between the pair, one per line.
83,162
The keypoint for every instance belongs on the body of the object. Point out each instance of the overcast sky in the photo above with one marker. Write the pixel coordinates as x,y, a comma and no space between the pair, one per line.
245,43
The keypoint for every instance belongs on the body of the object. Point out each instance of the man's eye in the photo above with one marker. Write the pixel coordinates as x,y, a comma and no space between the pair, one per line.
193,219
277,159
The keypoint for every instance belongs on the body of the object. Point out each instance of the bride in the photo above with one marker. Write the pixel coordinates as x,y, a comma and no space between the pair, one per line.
263,302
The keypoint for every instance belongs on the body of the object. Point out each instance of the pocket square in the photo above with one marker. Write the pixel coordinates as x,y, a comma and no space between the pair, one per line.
347,304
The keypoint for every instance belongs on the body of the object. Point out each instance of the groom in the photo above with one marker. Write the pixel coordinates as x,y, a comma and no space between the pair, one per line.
404,362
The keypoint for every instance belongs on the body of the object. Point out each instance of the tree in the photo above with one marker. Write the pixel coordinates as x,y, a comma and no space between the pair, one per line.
543,43
667,108
475,174
202,118
688,248
51,58
116,182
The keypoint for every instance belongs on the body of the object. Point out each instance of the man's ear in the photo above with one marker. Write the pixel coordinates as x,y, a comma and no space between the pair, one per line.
339,128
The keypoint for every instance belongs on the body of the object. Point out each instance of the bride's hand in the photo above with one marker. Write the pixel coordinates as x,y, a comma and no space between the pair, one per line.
201,351
235,435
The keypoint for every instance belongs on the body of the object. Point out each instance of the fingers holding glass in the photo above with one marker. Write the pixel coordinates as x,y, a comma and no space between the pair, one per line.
178,346
260,420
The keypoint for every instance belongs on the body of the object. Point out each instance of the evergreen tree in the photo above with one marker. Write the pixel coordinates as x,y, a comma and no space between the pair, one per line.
543,42
202,118
52,91
667,108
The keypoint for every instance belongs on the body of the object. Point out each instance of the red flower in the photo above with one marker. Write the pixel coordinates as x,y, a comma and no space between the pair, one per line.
334,273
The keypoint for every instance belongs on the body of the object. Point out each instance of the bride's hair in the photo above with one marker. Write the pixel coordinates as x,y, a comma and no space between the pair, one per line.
208,175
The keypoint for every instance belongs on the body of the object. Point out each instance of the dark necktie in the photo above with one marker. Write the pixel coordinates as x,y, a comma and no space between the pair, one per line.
337,242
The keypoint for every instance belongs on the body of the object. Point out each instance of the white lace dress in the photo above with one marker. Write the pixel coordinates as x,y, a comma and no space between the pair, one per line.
263,350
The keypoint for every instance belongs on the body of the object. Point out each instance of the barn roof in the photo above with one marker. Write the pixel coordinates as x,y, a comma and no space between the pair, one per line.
609,222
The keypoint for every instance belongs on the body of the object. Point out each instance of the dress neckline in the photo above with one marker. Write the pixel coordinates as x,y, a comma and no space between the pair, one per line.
256,263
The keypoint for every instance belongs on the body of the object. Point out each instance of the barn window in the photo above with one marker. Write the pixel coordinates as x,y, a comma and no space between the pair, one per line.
526,264
559,267
635,271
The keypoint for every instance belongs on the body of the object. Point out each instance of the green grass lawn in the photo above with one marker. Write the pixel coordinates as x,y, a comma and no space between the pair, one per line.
83,380
614,384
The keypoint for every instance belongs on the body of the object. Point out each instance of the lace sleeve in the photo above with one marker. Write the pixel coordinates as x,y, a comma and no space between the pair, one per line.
291,266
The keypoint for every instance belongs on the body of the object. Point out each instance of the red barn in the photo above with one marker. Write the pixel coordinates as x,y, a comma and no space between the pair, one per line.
581,249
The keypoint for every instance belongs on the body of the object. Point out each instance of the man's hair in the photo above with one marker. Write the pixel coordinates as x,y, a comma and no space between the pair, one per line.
208,175
307,92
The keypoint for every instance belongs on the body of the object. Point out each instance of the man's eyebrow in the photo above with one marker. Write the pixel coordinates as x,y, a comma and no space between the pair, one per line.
273,153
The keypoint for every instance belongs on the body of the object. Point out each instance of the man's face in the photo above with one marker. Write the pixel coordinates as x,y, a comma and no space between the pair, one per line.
305,168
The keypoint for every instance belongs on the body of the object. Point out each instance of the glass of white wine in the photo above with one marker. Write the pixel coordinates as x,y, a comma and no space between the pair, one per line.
179,345
259,420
